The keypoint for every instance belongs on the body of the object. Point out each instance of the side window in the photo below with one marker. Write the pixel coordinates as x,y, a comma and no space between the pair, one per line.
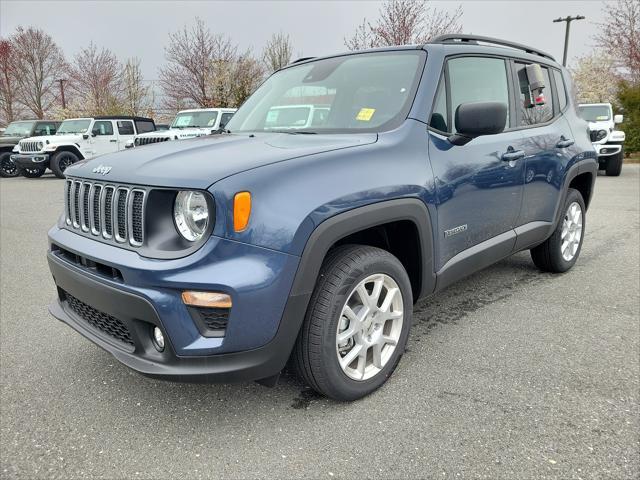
477,79
531,113
562,92
439,116
224,119
125,127
102,128
145,126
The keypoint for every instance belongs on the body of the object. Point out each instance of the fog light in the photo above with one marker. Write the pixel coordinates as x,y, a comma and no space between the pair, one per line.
158,339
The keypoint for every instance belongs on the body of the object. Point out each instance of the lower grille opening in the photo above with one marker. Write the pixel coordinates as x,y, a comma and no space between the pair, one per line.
212,322
80,261
97,319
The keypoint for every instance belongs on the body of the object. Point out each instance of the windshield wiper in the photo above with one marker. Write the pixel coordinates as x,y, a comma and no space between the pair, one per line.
295,132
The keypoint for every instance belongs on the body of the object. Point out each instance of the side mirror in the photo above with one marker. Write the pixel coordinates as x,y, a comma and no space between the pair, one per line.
477,119
95,132
618,119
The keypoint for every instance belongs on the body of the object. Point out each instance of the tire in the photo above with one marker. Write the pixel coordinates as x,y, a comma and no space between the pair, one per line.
60,161
614,164
550,256
317,352
32,172
8,168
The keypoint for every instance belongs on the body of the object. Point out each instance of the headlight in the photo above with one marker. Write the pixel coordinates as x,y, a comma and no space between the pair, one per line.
40,145
600,135
191,214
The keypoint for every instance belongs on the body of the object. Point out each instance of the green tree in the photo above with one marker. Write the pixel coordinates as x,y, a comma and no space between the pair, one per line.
629,100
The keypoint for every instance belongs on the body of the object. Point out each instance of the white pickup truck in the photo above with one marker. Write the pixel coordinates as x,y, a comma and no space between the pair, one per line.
607,141
188,124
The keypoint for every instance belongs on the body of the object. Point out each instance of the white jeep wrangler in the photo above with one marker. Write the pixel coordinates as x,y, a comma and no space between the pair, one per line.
77,139
188,124
607,141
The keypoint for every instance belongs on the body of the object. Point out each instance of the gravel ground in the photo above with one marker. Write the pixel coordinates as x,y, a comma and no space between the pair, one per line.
510,373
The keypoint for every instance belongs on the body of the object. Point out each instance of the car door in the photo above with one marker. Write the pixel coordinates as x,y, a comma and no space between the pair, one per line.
126,132
479,185
103,137
548,144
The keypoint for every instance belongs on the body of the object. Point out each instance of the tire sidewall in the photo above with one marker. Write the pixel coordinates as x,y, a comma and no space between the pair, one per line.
338,382
6,156
55,163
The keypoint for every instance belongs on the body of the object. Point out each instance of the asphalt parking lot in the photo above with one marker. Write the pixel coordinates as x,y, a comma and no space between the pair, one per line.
510,373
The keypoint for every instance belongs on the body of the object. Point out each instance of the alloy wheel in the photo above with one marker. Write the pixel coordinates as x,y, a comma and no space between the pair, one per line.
369,327
571,231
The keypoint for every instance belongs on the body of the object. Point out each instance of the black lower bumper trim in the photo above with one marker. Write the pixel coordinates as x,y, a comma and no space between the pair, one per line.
140,316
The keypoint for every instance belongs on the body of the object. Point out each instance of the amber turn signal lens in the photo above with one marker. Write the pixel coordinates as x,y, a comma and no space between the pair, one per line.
241,211
206,299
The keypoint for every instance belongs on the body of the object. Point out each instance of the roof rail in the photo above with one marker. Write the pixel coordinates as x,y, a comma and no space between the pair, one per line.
462,38
302,59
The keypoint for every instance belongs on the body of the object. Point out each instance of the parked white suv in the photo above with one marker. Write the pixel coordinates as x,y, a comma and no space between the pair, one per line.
188,124
607,141
77,139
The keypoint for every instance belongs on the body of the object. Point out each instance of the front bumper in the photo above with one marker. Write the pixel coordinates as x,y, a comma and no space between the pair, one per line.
29,160
607,149
246,352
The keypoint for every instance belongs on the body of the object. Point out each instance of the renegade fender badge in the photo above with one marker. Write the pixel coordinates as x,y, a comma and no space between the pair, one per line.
101,169
453,231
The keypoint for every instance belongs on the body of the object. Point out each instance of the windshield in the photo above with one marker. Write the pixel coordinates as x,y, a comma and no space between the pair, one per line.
73,126
595,113
368,92
18,129
195,120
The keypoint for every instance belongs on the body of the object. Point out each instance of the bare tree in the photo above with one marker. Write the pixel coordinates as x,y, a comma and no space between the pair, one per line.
136,97
594,77
8,87
620,36
95,80
38,62
277,53
248,73
404,22
193,58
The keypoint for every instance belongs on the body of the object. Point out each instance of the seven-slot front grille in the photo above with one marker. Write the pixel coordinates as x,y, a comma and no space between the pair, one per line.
29,147
113,212
148,140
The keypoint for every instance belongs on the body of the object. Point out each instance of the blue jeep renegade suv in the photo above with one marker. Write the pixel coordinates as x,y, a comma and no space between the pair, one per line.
345,189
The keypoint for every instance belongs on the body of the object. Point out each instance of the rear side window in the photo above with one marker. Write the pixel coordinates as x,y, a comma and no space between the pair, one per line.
562,92
125,127
530,113
145,126
102,128
477,79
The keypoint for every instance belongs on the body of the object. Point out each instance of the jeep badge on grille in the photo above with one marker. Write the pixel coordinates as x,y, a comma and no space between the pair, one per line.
102,169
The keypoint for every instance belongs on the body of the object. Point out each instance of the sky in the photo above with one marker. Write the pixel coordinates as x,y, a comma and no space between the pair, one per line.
141,28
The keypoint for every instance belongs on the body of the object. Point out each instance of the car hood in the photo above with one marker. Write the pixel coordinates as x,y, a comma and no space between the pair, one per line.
10,140
199,162
54,139
606,125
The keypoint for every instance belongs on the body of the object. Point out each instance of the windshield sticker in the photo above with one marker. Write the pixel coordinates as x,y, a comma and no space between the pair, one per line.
183,121
365,114
602,117
272,116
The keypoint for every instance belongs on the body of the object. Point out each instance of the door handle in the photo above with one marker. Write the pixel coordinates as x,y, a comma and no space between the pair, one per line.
113,141
564,143
512,155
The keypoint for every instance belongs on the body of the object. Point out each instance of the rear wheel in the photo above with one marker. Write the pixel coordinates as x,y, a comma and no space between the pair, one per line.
357,323
32,172
561,250
61,161
7,166
614,164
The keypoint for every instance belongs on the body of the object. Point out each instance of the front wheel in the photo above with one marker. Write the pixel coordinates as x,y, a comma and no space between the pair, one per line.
61,161
614,164
357,323
8,168
561,250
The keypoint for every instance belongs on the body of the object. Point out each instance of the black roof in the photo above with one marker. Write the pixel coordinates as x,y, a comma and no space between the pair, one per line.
125,117
459,38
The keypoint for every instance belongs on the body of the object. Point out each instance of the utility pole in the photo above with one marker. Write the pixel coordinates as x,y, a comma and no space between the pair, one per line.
64,103
568,19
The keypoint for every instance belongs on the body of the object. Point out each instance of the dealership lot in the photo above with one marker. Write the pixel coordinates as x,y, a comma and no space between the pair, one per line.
509,373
